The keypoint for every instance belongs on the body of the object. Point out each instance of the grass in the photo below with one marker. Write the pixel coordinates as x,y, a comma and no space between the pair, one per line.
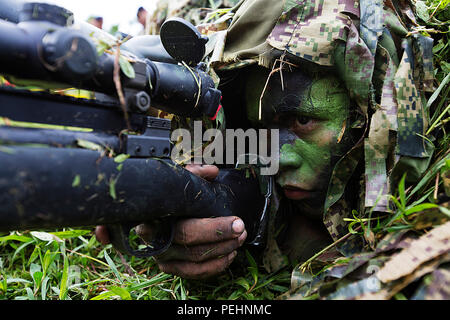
72,265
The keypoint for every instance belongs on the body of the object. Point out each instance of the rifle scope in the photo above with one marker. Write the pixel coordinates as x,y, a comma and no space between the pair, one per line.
41,46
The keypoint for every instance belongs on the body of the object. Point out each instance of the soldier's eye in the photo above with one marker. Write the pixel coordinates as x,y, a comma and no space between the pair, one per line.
304,125
304,120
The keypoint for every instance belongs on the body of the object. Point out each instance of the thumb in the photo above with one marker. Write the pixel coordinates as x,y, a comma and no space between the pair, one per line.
207,172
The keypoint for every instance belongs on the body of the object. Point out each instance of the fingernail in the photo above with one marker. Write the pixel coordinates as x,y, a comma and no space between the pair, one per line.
238,226
232,255
242,237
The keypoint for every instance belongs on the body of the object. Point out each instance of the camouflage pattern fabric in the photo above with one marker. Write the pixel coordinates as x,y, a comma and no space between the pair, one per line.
325,32
387,68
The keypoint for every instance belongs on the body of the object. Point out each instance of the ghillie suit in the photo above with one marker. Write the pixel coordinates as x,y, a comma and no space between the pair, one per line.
377,49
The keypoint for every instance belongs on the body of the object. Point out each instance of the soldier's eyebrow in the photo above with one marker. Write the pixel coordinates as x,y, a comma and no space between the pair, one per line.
290,104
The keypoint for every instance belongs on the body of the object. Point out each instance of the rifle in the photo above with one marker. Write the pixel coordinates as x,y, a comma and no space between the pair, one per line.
48,181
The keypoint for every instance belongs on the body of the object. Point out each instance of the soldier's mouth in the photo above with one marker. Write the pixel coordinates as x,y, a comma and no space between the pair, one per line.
295,193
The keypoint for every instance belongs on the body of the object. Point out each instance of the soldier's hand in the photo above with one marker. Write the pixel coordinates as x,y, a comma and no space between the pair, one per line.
201,247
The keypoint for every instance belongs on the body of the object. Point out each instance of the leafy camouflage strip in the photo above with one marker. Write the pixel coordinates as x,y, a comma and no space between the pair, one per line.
273,259
423,68
371,25
388,102
430,245
308,29
377,145
357,277
313,29
437,286
377,188
386,292
410,116
335,209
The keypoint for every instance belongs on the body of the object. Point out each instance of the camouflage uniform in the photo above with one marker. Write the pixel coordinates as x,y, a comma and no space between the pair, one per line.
387,68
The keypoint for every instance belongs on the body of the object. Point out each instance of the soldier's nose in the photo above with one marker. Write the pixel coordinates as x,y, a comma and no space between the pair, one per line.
289,159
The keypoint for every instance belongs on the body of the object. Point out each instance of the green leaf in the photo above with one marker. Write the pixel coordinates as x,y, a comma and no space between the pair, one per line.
401,192
250,259
112,188
89,145
445,211
76,181
121,157
121,292
438,46
64,280
113,267
30,294
438,91
350,227
104,295
421,207
422,10
36,274
70,233
34,254
44,288
15,237
4,283
158,278
48,259
430,173
126,67
243,283
45,236
19,249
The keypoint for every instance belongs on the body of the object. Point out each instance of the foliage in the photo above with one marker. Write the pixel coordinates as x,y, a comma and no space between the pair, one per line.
72,265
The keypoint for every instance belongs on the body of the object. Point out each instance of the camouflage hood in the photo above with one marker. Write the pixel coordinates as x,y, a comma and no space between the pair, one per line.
385,63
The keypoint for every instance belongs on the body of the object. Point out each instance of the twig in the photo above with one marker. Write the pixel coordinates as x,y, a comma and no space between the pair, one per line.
303,266
118,84
124,262
86,256
436,187
435,10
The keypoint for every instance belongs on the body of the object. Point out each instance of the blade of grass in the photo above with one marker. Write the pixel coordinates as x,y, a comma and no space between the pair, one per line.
113,267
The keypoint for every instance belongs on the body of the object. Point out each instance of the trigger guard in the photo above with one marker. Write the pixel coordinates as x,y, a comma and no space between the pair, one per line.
120,233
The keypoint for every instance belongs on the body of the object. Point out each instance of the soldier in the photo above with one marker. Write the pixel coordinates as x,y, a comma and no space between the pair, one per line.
344,83
96,21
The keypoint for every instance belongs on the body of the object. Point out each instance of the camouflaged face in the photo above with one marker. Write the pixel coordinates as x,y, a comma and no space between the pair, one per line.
384,62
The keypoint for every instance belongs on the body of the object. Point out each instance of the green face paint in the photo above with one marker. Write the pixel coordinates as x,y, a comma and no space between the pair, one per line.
311,115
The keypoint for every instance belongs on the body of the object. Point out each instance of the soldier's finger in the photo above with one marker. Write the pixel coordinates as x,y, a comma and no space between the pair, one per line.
200,253
197,270
207,172
102,234
207,230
